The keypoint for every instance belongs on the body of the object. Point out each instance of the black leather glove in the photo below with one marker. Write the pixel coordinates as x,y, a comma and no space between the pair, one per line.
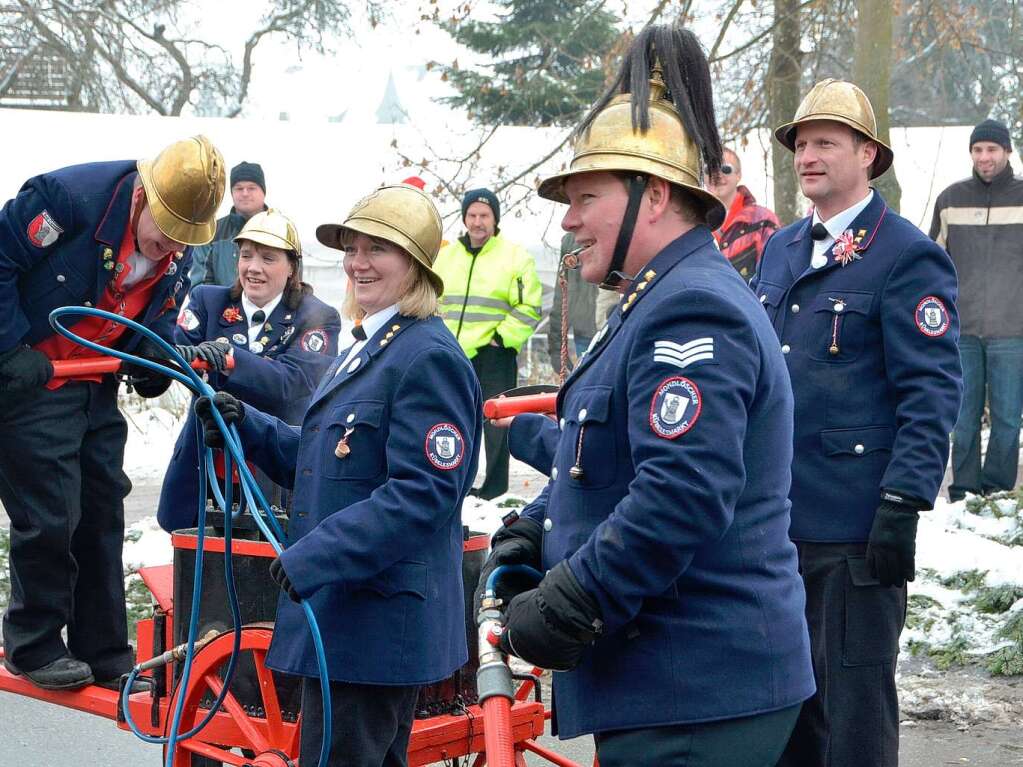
213,353
281,579
891,548
551,625
148,383
230,408
515,544
23,368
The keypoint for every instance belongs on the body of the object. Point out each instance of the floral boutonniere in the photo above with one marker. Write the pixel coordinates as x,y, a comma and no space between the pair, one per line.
845,248
232,314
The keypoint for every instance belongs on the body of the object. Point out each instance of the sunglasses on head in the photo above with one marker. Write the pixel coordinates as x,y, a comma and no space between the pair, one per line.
727,169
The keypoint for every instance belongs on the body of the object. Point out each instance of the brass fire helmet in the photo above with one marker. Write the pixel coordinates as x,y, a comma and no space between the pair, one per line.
184,186
273,229
401,214
842,102
664,150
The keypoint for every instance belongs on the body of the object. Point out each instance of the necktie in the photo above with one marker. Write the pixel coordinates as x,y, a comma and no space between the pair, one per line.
258,317
819,232
359,332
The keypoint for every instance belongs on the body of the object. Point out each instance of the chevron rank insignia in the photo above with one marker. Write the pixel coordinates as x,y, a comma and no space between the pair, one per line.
684,355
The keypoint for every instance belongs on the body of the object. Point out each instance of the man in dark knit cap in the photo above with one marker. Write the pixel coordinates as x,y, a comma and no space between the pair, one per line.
217,263
491,304
979,221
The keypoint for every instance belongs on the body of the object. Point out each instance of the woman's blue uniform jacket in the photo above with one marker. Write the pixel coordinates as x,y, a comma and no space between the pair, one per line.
53,238
680,418
375,537
872,349
300,345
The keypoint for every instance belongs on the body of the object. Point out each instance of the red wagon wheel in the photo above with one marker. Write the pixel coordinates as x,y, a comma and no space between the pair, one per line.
241,734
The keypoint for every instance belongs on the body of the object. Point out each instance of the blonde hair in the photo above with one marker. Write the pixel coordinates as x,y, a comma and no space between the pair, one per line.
417,296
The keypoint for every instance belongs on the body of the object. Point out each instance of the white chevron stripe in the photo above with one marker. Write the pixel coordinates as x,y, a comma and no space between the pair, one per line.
681,348
682,355
683,363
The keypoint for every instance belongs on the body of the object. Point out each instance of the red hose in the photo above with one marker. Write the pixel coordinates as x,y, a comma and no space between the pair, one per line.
497,732
503,407
92,366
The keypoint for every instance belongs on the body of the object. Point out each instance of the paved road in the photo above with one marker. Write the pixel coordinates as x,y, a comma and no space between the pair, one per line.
34,734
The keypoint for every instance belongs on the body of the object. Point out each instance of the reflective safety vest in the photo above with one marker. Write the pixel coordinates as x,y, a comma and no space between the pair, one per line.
497,291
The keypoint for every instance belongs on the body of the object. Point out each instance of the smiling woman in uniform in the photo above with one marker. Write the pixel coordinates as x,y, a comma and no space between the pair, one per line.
384,457
281,339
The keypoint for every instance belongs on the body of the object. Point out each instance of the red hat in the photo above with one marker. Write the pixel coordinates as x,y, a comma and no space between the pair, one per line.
415,181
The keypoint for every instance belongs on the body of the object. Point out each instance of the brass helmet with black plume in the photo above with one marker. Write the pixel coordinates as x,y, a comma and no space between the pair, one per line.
656,119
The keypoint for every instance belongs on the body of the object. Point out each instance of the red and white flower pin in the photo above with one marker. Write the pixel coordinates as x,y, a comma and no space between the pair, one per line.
232,314
845,248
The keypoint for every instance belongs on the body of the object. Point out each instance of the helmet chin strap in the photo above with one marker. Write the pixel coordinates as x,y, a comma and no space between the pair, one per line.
614,277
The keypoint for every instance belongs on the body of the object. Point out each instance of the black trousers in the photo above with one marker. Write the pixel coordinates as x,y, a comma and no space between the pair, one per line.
497,368
751,741
853,719
370,724
63,486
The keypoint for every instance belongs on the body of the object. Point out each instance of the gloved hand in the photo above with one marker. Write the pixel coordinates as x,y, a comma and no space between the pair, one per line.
230,408
213,353
515,544
551,625
148,383
891,548
281,579
23,368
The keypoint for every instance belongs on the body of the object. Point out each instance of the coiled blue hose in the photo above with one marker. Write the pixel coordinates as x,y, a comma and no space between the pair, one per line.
254,500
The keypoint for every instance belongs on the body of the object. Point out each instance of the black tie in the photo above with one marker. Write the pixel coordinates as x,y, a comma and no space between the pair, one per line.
819,232
359,332
258,317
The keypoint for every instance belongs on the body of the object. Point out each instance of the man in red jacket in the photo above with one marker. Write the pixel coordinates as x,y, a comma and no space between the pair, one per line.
747,225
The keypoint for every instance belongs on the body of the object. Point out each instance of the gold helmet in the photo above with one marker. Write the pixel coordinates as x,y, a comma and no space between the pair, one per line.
402,215
842,102
644,125
271,228
665,150
184,186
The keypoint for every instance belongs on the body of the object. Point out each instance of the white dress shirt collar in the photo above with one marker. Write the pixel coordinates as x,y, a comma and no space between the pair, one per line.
835,226
371,323
256,329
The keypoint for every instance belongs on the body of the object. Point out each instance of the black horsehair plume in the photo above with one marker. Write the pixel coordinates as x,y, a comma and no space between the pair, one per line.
686,77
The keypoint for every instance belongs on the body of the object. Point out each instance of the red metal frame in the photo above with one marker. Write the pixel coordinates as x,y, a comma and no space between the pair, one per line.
433,740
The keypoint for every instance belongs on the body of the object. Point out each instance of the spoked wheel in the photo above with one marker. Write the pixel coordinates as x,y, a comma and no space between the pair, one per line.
256,723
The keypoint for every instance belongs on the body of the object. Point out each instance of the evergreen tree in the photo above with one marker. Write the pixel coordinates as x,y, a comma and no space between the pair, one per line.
549,62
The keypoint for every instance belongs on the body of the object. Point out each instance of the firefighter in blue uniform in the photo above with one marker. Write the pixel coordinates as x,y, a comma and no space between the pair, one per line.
108,235
864,306
671,609
280,337
384,457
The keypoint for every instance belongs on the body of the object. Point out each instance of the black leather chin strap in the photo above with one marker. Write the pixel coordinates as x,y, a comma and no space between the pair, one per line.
615,276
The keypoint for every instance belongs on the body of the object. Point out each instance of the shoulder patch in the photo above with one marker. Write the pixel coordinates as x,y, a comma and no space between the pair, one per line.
43,231
314,340
444,446
932,317
684,355
675,407
188,320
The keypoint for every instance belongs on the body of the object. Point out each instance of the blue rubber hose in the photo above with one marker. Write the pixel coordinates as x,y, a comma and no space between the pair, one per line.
254,500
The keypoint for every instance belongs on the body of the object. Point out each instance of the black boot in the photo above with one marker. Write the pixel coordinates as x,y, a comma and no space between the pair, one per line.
65,673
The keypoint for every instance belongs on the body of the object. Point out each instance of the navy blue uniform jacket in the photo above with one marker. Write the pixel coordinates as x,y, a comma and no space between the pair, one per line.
52,238
376,536
300,345
680,417
872,350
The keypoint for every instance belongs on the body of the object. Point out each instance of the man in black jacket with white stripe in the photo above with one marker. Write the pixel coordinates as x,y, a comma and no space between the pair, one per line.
979,221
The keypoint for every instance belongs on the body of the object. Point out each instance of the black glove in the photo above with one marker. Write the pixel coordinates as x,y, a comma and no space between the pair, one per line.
213,353
515,544
281,579
230,408
891,548
23,368
148,383
551,625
